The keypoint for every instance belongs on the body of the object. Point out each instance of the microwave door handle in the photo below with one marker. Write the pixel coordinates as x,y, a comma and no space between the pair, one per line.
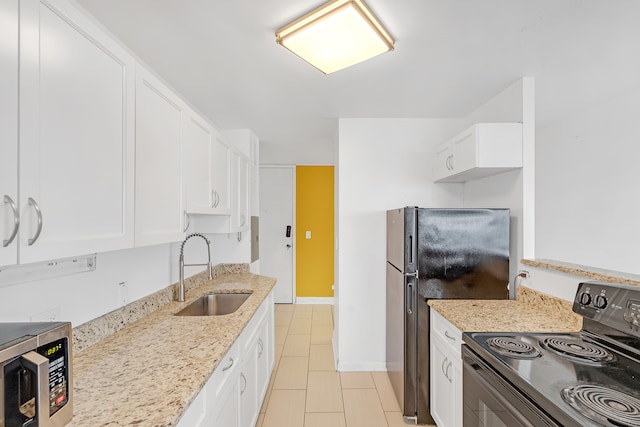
39,365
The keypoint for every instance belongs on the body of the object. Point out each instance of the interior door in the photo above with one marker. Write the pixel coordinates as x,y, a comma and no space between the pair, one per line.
277,190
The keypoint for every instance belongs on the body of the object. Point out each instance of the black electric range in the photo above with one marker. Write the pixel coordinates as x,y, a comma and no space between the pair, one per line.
588,378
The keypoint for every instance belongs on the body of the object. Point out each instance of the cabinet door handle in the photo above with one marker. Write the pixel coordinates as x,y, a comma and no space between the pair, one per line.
446,334
216,199
447,372
261,346
244,387
443,368
39,214
16,221
226,368
187,219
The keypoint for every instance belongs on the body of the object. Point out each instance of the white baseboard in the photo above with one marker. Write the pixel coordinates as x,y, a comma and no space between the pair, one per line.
314,300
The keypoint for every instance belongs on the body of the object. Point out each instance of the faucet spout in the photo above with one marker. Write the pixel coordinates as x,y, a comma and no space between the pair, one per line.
180,296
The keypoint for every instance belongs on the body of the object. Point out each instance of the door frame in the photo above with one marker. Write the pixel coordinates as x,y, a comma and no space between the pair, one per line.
293,222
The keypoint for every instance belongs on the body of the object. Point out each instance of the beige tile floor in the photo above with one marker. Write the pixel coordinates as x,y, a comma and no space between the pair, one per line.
305,389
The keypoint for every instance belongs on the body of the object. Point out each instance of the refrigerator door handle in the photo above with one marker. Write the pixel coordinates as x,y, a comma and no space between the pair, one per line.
409,285
411,249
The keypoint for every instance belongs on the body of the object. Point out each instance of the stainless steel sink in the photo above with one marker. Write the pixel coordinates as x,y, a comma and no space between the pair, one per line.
214,305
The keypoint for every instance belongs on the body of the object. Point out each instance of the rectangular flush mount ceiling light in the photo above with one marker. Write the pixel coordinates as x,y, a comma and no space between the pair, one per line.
336,35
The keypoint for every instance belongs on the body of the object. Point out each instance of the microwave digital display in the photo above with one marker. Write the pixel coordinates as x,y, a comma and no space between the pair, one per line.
57,352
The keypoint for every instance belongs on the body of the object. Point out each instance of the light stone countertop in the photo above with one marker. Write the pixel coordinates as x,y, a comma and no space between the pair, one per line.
531,311
149,372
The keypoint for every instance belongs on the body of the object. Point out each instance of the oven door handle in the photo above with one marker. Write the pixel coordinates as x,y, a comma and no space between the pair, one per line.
475,369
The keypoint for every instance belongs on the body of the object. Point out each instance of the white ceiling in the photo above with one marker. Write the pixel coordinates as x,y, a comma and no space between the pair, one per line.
450,57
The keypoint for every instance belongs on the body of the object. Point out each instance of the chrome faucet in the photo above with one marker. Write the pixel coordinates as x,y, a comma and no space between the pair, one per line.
182,264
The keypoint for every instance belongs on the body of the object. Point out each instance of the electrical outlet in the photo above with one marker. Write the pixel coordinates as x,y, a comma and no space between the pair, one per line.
50,315
122,294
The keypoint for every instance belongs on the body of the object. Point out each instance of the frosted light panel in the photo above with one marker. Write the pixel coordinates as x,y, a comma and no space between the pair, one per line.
339,39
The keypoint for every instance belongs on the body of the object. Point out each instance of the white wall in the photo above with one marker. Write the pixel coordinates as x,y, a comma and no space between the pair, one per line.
318,153
381,164
588,197
84,296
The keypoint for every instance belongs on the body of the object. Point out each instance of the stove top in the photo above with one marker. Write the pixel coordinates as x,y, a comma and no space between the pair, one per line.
589,378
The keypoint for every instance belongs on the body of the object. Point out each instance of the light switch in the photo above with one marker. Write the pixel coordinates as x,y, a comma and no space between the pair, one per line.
308,234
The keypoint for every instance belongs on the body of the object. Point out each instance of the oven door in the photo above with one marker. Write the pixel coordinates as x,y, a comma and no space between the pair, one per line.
491,401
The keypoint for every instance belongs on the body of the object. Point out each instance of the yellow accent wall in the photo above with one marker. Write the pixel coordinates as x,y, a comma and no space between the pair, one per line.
314,213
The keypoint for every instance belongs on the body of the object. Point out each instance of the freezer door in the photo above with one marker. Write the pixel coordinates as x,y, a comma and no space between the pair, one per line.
401,239
463,253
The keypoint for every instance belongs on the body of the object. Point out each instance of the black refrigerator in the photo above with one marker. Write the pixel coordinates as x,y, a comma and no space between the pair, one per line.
436,254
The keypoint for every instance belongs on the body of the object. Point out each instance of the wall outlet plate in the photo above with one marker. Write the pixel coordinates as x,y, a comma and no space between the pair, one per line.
123,298
51,315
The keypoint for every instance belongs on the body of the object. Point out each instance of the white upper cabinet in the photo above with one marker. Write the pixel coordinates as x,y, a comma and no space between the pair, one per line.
255,176
9,216
240,216
482,150
198,140
207,168
76,99
232,169
244,183
221,174
160,216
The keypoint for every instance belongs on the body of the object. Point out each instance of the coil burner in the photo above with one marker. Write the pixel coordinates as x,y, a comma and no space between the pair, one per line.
603,404
513,347
578,350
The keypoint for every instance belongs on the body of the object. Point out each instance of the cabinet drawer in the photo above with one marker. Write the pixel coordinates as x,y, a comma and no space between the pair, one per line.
449,334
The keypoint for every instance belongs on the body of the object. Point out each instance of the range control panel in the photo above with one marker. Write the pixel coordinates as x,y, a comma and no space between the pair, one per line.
617,306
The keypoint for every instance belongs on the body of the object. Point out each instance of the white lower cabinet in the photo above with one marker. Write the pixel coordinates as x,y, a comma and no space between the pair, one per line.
445,372
226,410
233,395
249,387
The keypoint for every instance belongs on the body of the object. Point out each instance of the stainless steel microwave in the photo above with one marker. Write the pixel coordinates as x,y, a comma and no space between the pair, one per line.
36,385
